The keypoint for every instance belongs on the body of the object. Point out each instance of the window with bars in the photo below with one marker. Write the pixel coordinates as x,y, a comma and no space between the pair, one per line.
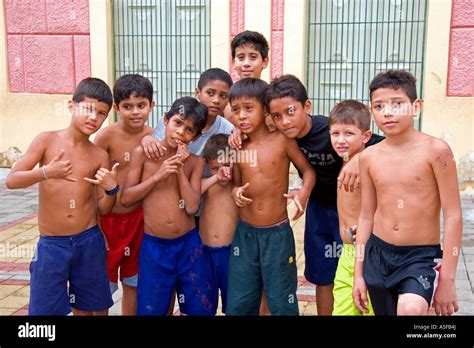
167,41
351,41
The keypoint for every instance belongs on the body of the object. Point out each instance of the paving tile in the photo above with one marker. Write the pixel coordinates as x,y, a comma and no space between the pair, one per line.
14,302
7,290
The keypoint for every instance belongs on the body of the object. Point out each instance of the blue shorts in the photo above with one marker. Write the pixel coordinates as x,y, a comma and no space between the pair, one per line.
322,244
79,259
181,264
220,263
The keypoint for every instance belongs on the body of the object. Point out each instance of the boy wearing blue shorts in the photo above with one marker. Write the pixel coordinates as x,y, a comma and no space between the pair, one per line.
219,214
71,248
172,254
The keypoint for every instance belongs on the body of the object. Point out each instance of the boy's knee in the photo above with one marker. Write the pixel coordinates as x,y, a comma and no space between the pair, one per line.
412,304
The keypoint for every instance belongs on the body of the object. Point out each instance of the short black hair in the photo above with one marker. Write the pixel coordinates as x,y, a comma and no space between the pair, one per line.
351,112
251,38
249,87
94,88
129,84
395,79
190,108
214,145
286,86
214,74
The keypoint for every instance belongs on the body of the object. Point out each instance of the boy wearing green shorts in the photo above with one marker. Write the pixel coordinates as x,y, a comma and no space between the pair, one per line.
349,128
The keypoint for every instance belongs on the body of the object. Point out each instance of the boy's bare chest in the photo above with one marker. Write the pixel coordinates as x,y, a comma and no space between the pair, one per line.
269,161
121,151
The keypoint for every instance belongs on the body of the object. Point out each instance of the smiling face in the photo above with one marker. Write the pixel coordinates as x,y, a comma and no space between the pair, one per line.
348,139
179,129
393,111
88,115
248,62
290,116
134,111
248,113
215,95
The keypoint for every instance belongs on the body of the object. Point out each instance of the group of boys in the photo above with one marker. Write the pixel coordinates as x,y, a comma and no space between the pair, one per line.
182,218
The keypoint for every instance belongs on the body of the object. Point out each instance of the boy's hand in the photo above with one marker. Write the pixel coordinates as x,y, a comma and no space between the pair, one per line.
270,124
349,175
224,174
57,169
236,138
152,147
238,196
107,179
359,294
170,166
182,151
445,299
300,199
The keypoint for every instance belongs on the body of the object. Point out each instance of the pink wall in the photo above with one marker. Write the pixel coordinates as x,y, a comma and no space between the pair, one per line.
461,50
276,42
237,25
48,45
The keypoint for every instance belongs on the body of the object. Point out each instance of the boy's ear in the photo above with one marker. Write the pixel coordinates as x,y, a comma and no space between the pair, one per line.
265,63
115,107
366,136
165,121
307,106
417,106
70,105
197,93
152,105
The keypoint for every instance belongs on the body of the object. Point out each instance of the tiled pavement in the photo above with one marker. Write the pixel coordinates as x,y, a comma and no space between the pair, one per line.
19,235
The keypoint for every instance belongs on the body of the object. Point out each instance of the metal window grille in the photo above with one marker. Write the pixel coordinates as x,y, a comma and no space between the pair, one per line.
167,41
351,41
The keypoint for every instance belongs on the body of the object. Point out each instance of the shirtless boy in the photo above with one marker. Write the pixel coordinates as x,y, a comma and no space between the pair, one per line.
219,214
123,228
349,128
263,249
405,182
71,247
171,255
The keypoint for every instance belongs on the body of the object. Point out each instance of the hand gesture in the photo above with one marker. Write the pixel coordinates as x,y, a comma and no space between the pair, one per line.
238,196
57,169
107,179
300,201
224,173
168,167
349,175
182,151
359,294
152,147
445,299
236,138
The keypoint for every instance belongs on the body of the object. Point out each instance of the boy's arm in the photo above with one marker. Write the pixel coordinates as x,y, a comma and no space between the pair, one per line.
444,168
238,191
300,196
364,229
190,188
106,180
223,174
24,173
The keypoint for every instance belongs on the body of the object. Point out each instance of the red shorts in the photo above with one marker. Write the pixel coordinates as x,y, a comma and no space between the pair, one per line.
124,233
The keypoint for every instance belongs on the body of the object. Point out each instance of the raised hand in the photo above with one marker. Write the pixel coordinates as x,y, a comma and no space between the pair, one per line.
168,167
236,138
300,199
107,179
152,147
238,196
182,151
224,174
58,169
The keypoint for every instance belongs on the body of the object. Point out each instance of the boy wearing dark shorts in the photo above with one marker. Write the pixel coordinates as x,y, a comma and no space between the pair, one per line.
123,227
71,248
405,181
263,249
172,255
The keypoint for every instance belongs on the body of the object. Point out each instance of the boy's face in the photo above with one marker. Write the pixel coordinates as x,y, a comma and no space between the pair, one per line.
393,111
179,130
248,113
215,96
134,111
248,62
348,139
88,115
290,116
214,166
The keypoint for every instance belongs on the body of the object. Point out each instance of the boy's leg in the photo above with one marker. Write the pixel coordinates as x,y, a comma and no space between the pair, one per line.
278,259
321,243
89,289
156,275
196,286
412,304
129,298
264,311
49,271
245,278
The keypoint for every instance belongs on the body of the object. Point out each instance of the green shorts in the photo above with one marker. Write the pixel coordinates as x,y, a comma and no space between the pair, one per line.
343,284
262,258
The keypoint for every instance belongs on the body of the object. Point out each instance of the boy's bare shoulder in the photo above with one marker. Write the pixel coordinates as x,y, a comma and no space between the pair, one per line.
98,152
439,150
147,130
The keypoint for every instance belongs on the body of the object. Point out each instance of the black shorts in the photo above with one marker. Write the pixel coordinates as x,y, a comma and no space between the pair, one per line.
390,271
